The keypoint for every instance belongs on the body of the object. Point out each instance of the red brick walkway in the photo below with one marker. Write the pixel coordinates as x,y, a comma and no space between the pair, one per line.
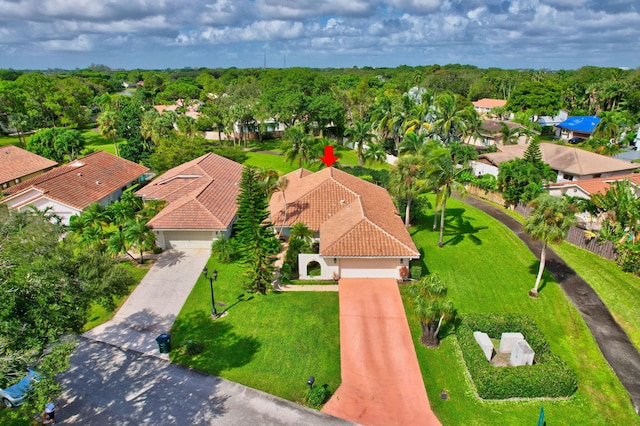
381,379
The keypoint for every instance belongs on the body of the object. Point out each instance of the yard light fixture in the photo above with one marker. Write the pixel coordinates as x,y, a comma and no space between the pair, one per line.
310,382
214,276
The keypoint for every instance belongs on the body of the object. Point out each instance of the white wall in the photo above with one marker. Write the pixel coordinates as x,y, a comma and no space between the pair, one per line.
327,266
483,169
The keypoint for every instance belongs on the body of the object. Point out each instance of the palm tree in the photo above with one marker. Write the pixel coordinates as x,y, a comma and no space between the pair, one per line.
450,124
510,135
298,145
138,234
108,126
432,307
301,230
445,175
549,222
412,143
406,181
375,153
361,133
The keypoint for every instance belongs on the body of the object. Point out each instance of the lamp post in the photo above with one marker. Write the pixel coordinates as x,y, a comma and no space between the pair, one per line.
212,278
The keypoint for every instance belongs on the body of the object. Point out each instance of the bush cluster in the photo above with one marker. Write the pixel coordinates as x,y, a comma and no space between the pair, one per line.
548,377
317,396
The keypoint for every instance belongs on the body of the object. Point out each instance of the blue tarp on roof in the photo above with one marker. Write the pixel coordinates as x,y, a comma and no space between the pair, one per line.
584,124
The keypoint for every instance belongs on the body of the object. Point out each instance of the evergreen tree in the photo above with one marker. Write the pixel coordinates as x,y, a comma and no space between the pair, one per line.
533,154
254,233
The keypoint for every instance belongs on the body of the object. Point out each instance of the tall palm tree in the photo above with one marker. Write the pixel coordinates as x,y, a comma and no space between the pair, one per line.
446,176
510,135
549,222
375,153
108,126
298,145
450,123
406,181
412,142
361,133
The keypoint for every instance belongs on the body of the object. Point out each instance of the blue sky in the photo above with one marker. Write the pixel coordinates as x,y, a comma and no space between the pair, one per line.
40,34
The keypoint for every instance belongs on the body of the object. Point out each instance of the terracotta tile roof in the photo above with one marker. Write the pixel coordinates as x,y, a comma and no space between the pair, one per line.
84,181
16,162
489,103
201,194
355,218
575,161
599,185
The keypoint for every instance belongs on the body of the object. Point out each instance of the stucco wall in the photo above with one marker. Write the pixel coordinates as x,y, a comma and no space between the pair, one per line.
327,265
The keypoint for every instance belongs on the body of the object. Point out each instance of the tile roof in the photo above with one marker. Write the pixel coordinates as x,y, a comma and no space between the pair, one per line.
355,218
84,181
494,126
599,185
575,161
16,162
201,194
489,103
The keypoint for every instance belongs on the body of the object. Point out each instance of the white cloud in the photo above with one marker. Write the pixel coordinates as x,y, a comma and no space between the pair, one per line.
81,43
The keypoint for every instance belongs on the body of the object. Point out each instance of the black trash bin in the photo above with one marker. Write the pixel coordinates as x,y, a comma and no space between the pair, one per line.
164,343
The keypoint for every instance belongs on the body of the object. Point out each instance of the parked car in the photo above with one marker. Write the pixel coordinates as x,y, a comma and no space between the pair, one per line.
576,140
13,396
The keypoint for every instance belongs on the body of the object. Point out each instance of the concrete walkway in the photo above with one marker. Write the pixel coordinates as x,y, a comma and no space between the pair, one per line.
614,343
107,385
381,379
155,303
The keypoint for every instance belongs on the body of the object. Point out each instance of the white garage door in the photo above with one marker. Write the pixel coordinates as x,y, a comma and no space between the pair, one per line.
368,268
188,239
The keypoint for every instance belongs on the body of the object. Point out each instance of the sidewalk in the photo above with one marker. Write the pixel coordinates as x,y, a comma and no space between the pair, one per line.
613,342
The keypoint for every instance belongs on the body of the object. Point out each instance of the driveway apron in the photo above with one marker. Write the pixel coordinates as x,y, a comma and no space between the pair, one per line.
107,385
155,303
381,379
614,343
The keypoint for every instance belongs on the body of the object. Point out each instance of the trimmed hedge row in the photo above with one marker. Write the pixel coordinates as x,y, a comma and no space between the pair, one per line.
548,377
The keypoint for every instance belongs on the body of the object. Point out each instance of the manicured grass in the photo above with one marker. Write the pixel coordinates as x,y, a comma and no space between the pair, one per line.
272,343
99,314
95,141
11,140
348,157
619,290
488,269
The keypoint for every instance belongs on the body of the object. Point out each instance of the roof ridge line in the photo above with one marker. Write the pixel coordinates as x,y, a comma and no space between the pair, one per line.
388,234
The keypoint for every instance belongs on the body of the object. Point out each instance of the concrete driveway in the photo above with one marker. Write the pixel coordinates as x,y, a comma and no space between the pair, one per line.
155,303
107,385
381,379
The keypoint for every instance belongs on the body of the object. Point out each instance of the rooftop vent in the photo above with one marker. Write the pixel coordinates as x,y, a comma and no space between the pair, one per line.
79,174
98,182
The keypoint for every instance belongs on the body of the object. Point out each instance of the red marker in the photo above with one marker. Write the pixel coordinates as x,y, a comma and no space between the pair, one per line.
328,159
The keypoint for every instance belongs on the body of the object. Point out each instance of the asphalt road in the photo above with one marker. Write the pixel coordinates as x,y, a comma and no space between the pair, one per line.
108,385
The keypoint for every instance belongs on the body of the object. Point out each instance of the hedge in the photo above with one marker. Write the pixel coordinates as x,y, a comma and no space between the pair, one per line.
549,376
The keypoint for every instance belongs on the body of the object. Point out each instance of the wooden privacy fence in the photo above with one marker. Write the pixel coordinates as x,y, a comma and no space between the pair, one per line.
577,236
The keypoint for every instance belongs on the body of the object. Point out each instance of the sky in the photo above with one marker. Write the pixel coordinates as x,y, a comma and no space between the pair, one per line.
161,34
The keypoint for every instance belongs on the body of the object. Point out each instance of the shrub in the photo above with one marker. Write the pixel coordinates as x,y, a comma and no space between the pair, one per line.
416,272
157,250
192,347
548,377
316,396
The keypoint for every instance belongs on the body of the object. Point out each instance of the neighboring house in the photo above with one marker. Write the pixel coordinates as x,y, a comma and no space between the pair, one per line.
485,105
586,188
201,202
360,232
490,133
548,121
67,190
571,164
191,110
18,165
577,128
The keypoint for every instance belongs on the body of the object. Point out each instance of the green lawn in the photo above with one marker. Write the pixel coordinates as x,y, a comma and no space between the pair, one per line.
95,141
272,343
488,269
619,290
99,314
11,140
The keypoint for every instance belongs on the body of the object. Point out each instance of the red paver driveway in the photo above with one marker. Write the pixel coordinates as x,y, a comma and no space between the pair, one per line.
381,379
